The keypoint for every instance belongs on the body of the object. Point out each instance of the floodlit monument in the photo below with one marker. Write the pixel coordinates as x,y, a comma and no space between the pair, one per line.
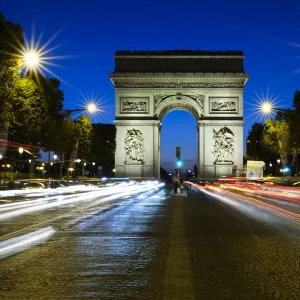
150,84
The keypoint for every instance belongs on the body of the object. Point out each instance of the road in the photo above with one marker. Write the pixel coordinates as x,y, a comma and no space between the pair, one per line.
153,246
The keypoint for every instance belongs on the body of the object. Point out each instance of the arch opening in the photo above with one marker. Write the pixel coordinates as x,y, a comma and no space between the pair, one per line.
178,130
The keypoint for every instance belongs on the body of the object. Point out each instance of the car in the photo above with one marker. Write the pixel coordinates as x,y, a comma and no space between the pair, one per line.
32,185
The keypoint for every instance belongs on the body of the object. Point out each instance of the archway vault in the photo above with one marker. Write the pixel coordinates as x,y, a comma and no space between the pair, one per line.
193,104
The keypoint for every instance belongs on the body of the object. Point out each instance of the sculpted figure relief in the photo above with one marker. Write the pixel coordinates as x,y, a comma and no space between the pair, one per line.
223,145
131,106
134,146
223,105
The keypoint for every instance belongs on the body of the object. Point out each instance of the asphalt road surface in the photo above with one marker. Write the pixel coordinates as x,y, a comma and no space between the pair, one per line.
154,246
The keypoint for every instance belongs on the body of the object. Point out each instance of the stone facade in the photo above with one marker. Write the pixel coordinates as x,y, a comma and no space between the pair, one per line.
143,99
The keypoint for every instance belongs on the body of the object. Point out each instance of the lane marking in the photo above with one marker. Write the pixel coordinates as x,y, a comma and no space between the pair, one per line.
179,279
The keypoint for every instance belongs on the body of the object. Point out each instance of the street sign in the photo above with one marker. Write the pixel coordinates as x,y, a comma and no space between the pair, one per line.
177,152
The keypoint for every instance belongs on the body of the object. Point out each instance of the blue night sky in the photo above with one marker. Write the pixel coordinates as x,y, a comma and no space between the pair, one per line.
91,31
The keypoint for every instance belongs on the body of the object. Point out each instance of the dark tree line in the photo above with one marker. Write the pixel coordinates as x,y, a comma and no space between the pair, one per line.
31,104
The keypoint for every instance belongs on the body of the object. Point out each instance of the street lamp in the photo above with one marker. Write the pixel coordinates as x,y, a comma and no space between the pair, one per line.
277,167
90,108
21,150
31,59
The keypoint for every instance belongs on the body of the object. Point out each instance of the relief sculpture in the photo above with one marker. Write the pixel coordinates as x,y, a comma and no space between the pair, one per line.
223,145
223,106
134,106
134,146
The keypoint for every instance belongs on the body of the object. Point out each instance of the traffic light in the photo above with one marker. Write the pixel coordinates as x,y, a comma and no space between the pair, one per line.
178,163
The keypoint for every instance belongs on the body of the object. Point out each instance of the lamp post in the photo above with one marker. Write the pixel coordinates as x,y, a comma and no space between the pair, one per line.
270,168
83,167
90,108
268,108
277,166
21,150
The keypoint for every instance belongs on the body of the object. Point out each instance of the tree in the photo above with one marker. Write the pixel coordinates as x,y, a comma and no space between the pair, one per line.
276,137
296,100
29,112
86,137
11,39
104,147
293,119
53,98
255,147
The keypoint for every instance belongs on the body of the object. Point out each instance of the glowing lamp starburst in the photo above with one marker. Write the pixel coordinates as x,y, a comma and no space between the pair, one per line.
31,59
92,108
266,107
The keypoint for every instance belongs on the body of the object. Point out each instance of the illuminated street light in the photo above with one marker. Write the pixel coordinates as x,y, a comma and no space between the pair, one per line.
31,59
90,108
21,150
93,163
278,161
266,107
55,157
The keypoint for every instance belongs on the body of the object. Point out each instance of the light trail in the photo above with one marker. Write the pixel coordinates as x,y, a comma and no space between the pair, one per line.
280,212
45,192
26,241
124,189
236,199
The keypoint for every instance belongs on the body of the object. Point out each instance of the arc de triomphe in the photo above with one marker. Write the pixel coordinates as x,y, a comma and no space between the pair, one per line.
150,84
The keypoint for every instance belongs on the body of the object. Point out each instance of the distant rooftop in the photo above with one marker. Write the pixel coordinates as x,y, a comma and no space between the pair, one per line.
179,52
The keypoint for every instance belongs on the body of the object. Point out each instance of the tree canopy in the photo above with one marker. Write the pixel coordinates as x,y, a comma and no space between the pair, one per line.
11,38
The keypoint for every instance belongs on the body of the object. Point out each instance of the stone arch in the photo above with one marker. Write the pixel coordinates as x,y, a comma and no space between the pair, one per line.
167,103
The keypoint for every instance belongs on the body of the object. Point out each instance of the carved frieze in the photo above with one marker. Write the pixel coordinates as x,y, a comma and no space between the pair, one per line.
137,83
134,147
221,105
134,105
223,145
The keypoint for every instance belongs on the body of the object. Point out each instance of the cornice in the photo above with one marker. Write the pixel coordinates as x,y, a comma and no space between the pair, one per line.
179,80
220,123
136,122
